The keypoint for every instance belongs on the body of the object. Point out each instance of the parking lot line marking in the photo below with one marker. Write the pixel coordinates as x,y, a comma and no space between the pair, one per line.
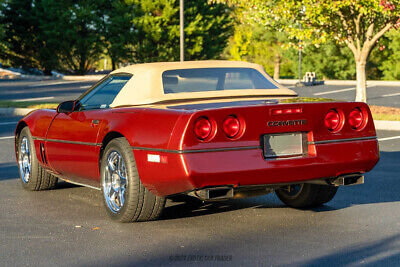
34,99
8,123
85,87
336,91
6,137
53,83
341,90
388,138
396,94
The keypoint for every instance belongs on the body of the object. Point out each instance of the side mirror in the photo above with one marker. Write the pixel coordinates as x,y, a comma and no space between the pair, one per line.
66,107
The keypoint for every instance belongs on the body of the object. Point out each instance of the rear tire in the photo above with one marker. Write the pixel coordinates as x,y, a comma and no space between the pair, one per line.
33,176
306,195
125,198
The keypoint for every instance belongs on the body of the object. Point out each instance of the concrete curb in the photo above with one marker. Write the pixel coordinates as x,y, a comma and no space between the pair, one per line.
90,78
83,77
379,125
344,82
387,125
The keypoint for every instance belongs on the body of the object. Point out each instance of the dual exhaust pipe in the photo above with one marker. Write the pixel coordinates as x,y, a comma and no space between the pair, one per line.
229,192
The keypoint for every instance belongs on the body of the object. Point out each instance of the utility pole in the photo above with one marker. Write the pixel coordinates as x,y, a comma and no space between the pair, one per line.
300,48
300,83
182,34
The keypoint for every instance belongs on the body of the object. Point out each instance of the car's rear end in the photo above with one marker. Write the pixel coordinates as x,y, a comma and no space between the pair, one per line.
265,144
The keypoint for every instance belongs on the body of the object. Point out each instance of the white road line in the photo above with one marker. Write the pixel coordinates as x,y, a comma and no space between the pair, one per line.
336,91
389,138
53,83
340,90
6,137
8,123
34,99
396,94
85,87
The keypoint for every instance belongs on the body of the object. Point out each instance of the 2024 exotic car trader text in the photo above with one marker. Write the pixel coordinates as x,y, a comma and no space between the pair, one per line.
209,129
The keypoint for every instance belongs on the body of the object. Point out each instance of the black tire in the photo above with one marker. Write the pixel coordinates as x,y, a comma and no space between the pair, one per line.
307,196
139,203
39,178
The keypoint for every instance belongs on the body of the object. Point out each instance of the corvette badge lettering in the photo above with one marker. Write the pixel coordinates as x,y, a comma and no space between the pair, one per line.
287,123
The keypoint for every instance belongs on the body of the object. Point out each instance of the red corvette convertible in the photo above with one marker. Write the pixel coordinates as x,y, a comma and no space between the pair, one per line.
209,129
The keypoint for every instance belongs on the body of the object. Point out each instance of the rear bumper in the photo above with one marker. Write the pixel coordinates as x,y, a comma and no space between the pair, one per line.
181,172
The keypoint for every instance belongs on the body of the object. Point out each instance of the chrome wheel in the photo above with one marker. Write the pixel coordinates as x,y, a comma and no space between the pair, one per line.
24,160
115,181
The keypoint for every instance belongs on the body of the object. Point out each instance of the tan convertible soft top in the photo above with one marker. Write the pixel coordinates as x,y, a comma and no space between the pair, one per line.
146,86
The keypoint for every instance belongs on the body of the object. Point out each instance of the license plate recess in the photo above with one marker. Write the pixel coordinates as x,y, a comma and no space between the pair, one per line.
285,145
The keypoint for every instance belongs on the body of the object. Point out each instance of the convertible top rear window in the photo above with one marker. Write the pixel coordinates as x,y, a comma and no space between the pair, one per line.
213,79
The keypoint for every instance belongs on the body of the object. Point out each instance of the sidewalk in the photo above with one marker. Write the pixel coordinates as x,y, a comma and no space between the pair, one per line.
51,78
344,82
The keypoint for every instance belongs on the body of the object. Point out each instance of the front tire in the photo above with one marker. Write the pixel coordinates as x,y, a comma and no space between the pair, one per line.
306,195
124,196
33,176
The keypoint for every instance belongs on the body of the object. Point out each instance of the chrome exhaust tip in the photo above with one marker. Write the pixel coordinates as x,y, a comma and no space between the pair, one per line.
345,180
214,193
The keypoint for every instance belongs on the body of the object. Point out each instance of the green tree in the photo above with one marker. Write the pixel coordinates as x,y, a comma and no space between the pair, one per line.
328,61
50,17
251,42
82,42
118,30
268,43
207,29
2,6
391,65
19,33
359,24
51,34
3,48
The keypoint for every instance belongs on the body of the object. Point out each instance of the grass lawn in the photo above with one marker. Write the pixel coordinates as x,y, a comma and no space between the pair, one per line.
378,112
385,113
27,104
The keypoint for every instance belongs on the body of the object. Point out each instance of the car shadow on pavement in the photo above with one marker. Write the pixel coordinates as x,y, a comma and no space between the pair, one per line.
8,170
384,252
381,185
185,206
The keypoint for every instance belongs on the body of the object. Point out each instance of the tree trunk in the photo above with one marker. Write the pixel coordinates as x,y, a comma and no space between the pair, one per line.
361,89
113,65
277,69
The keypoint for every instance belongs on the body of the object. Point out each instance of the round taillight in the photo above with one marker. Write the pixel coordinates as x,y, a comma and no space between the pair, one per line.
332,120
231,126
356,118
202,128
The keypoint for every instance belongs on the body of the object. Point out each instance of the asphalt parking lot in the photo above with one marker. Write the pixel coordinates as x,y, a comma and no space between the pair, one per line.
44,91
376,95
68,226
